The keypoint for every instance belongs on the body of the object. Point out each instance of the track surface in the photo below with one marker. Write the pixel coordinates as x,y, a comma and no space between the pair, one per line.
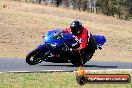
12,64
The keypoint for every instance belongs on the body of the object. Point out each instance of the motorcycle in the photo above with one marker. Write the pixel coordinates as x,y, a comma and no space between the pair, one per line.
57,48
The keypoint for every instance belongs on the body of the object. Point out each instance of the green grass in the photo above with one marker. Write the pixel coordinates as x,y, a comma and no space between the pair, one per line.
49,80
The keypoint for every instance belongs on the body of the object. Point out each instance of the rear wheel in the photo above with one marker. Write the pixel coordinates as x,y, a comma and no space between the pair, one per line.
78,62
76,59
75,63
34,57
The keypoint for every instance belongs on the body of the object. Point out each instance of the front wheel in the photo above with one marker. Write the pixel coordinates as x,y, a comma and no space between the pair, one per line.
34,57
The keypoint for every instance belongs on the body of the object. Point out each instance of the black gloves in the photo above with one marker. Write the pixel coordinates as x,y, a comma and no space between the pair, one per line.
67,49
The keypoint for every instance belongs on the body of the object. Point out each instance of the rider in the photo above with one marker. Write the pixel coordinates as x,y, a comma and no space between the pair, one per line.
86,39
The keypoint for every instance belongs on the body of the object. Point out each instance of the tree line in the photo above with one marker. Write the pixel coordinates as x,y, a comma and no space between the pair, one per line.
122,9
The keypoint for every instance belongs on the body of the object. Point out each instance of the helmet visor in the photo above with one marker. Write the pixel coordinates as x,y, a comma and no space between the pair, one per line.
76,31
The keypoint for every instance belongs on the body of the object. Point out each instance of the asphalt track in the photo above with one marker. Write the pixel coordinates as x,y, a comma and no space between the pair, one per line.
19,65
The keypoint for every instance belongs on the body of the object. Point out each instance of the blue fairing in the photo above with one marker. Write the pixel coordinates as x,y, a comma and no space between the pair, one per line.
58,41
67,38
43,47
100,40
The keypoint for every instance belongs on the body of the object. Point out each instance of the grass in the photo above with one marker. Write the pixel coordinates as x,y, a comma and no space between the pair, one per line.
50,80
22,24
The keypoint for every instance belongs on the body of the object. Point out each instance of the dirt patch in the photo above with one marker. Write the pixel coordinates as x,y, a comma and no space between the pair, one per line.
65,12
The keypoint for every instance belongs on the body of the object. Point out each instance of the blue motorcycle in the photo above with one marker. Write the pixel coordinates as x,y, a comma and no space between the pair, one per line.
57,48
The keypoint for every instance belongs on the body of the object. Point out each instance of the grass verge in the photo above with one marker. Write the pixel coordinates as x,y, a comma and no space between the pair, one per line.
52,80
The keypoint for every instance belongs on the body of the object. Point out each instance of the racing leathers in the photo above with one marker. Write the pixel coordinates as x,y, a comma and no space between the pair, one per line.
86,40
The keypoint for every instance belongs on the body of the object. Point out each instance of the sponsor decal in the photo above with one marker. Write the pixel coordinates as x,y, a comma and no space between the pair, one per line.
82,77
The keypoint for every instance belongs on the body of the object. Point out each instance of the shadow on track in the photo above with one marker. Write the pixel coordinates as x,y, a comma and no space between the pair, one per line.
90,66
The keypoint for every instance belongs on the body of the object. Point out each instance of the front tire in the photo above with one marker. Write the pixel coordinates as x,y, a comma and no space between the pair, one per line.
34,57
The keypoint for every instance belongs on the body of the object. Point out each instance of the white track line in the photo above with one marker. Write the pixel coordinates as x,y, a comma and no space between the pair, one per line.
108,70
50,71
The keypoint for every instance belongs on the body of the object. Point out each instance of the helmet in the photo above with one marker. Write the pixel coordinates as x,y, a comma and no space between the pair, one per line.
76,27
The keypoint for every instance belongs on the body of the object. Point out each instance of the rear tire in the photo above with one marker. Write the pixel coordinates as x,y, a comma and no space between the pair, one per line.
34,57
76,59
77,62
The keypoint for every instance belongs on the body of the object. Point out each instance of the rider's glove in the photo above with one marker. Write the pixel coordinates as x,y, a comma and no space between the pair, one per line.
67,49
